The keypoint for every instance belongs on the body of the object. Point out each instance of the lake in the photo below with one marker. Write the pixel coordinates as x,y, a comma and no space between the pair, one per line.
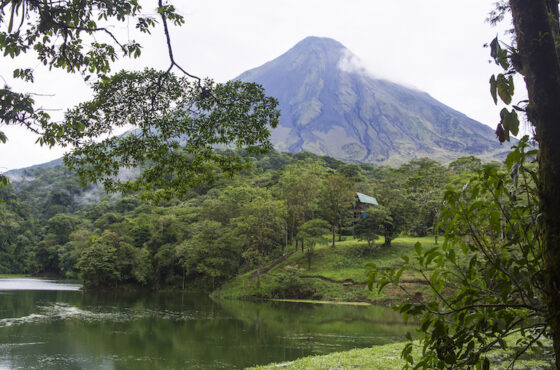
46,324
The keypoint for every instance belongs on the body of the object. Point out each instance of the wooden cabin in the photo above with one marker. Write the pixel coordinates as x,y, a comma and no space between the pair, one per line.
363,203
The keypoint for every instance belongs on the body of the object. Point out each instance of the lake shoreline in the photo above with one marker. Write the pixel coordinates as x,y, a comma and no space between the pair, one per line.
44,322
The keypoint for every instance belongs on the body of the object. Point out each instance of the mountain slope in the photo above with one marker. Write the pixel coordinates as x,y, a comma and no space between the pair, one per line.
331,106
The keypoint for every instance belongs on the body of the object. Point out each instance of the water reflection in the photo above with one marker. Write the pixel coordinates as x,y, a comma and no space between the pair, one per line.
36,284
71,329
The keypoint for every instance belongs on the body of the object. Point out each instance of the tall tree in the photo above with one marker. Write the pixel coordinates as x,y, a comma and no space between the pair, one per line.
424,184
261,222
536,57
335,200
312,233
300,184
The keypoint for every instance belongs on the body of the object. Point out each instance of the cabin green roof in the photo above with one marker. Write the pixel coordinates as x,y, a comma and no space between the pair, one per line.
367,199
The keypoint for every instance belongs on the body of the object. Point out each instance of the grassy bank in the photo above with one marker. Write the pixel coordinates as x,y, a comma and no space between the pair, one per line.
15,276
335,274
389,357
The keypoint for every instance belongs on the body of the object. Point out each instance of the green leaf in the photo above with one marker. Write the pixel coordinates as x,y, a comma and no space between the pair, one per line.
418,248
495,48
382,284
510,121
505,88
451,256
398,275
494,89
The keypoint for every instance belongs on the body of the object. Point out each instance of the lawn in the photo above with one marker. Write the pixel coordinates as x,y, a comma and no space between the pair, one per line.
336,274
388,356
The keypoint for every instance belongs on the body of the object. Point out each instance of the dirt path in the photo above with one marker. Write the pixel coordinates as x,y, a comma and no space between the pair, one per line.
343,282
266,269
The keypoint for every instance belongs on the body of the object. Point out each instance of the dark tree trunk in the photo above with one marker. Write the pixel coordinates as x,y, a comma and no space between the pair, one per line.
387,240
333,235
436,229
535,28
339,236
292,234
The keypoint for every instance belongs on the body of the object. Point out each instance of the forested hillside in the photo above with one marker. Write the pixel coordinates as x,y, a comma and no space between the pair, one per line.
51,225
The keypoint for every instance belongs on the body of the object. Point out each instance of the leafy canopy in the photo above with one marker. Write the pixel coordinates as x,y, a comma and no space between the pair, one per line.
177,123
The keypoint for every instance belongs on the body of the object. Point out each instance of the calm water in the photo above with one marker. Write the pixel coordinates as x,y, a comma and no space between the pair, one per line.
52,325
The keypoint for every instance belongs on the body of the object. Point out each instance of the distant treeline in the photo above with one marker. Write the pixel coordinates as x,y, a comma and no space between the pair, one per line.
51,225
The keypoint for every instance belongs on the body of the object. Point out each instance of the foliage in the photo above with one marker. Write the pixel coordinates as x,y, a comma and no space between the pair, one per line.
335,200
68,35
468,163
502,86
212,234
388,223
177,121
97,264
300,188
424,186
368,229
312,233
176,131
262,224
485,278
213,253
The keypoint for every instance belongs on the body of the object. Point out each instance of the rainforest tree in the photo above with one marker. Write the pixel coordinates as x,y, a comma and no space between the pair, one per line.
536,25
177,120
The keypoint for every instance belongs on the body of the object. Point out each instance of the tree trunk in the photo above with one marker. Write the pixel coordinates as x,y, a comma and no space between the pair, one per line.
387,240
286,244
333,235
436,228
541,68
292,234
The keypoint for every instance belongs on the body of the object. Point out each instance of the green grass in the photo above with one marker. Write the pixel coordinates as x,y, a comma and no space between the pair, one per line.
389,357
14,276
378,357
338,274
311,301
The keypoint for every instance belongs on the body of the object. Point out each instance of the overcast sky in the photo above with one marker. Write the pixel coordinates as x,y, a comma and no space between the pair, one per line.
432,45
